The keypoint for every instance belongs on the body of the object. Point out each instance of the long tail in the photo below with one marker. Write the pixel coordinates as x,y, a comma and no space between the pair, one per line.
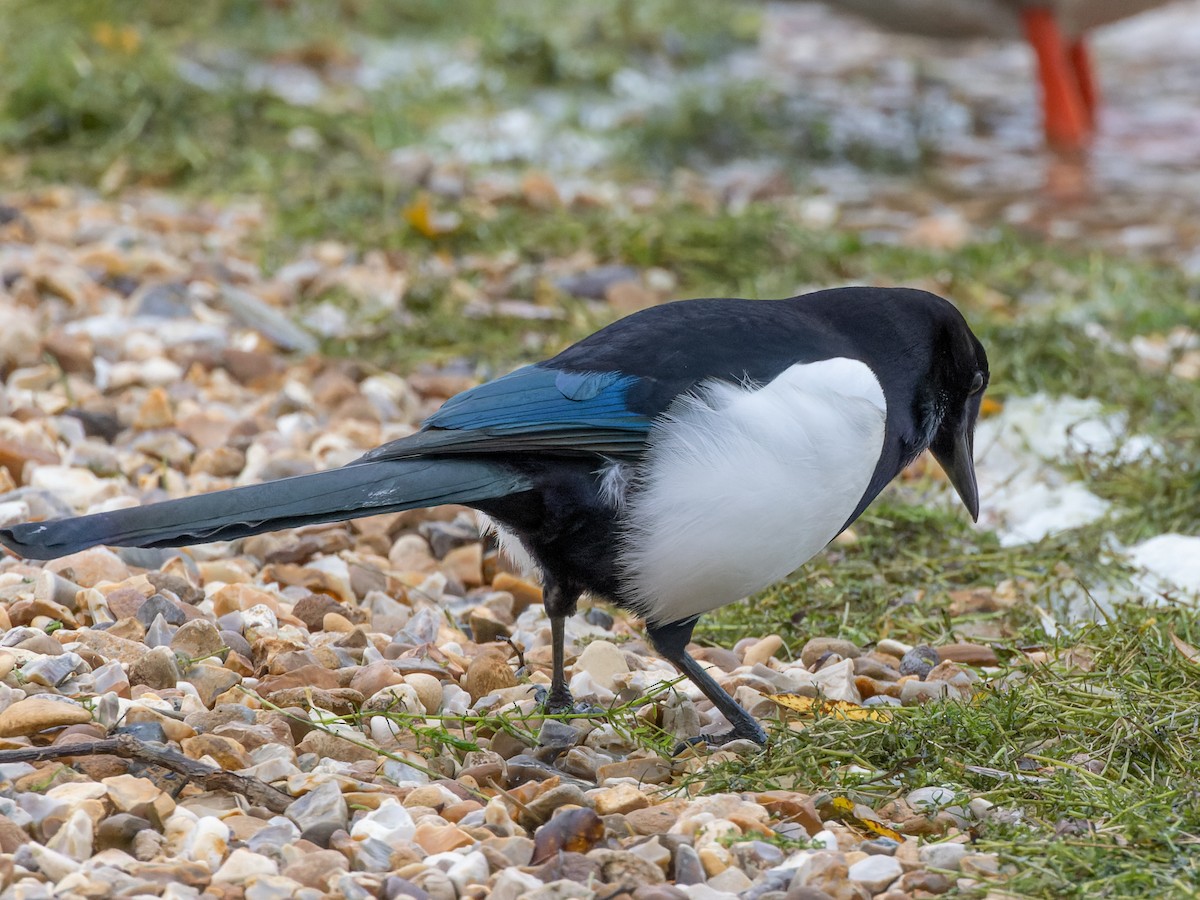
358,489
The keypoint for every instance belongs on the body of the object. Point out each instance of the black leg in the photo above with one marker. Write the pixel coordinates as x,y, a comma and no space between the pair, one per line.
671,641
559,700
558,606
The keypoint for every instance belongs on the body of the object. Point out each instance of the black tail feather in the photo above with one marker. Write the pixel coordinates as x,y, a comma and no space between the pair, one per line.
359,489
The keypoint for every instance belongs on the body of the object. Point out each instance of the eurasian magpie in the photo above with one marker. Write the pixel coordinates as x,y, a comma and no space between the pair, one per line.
677,460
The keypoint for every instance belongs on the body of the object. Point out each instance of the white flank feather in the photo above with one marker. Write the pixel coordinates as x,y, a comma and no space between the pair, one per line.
743,484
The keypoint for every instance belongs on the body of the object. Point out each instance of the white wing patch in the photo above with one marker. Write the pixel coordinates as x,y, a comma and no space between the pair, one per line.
743,484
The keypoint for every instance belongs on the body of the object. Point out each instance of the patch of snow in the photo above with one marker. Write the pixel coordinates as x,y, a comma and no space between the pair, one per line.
1023,494
1169,564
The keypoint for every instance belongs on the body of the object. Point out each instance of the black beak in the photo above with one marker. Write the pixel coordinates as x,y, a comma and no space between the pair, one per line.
954,449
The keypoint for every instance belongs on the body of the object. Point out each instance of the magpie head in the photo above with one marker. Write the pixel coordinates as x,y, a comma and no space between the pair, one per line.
953,392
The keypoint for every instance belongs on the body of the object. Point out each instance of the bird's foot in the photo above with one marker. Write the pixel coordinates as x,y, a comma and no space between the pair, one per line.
750,731
561,703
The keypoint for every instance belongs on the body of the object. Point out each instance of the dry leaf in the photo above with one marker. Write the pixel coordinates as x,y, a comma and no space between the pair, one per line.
421,215
1190,653
855,814
842,709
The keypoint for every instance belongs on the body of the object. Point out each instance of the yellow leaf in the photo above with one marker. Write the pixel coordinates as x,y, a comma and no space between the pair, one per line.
854,814
1190,653
841,709
429,223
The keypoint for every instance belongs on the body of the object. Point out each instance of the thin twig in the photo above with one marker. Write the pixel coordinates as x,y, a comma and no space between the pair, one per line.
127,746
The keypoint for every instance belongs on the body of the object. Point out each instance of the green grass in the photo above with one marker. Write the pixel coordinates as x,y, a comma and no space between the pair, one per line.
1111,804
94,96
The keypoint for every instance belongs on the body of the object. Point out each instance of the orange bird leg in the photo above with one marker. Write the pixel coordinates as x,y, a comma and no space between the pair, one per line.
1066,118
1085,77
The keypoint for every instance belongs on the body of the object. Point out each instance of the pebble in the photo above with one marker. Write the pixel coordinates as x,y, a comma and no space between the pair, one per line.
919,661
816,648
35,715
321,809
604,661
876,872
242,866
760,652
947,855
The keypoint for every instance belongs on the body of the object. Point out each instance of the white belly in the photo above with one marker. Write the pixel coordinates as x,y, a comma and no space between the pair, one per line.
743,485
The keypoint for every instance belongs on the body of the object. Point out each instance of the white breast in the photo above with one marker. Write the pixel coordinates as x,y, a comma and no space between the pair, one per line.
743,484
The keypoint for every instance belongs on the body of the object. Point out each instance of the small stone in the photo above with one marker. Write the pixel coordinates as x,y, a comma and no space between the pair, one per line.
470,869
441,838
626,870
155,411
242,865
197,639
653,819
34,715
656,852
980,865
571,830
882,846
486,674
761,651
211,682
159,605
791,806
87,568
929,882
968,654
465,564
825,870
604,661
486,626
51,671
330,746
158,669
411,553
645,770
429,691
913,693
321,808
275,887
544,805
75,836
118,831
225,752
688,867
524,593
875,873
819,647
316,868
139,797
124,602
919,661
620,798
945,855
512,884
732,880
311,609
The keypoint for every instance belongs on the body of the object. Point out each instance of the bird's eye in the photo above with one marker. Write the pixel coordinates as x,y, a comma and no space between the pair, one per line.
976,383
